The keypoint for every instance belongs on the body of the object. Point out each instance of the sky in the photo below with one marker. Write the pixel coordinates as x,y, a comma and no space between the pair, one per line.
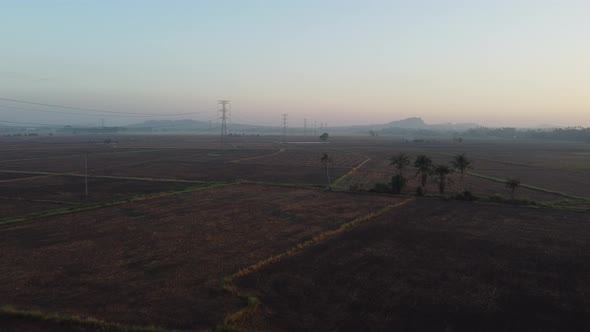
496,62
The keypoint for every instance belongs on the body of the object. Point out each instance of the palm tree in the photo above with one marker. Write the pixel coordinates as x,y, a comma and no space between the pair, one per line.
461,163
512,184
442,176
401,161
423,165
326,160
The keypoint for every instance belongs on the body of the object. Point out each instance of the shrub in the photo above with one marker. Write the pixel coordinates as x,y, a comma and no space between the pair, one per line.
497,198
398,183
381,187
356,187
466,196
419,191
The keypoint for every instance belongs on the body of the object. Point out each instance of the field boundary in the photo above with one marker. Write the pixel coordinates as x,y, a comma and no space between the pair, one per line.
232,320
523,185
37,200
74,320
237,161
26,178
94,206
113,177
354,169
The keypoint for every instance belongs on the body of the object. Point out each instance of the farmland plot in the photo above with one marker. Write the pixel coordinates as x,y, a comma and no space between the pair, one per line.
161,261
436,265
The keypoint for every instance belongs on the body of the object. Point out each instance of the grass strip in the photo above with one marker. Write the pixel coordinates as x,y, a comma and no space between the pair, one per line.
232,320
74,321
113,177
351,171
87,207
500,180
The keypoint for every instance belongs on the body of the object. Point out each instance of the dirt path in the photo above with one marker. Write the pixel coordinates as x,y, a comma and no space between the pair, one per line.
235,320
352,170
256,157
99,176
27,178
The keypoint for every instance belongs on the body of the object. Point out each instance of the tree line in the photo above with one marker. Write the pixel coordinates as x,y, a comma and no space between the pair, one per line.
425,170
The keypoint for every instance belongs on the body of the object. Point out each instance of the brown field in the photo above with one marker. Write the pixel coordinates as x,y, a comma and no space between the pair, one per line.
43,193
161,261
436,266
170,217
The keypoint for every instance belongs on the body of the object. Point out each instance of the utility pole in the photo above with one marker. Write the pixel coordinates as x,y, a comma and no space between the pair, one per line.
304,127
284,127
315,128
86,174
224,116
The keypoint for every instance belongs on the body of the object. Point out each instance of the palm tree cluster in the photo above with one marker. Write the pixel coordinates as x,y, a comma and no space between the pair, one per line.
425,168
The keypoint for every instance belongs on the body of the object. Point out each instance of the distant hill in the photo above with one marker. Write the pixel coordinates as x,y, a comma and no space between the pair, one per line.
397,126
410,123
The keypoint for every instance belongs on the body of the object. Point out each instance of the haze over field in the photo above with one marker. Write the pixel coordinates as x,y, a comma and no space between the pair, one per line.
495,63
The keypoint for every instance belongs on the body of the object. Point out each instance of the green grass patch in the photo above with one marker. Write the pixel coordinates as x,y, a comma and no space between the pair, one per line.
74,321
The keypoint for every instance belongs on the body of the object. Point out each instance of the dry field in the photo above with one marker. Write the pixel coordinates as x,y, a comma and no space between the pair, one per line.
436,266
161,261
170,217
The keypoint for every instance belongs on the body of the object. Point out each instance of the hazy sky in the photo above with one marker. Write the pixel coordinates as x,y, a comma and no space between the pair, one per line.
518,62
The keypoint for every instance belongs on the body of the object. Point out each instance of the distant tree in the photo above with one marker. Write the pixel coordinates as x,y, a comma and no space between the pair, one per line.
442,176
324,137
512,184
400,161
461,164
424,166
326,160
398,183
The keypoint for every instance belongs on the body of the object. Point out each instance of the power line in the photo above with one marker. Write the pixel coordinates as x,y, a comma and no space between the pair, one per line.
90,109
87,114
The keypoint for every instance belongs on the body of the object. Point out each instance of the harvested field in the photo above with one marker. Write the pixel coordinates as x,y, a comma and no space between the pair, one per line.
214,171
43,193
71,188
9,177
436,265
433,265
161,261
308,157
17,207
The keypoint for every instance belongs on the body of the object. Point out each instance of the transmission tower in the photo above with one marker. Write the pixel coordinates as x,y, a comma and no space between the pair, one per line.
284,127
224,116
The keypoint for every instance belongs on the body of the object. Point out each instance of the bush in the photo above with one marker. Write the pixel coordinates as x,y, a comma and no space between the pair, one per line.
419,191
398,183
497,198
466,196
356,188
381,187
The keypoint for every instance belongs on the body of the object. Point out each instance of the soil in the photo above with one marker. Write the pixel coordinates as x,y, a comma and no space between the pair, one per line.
161,261
436,265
